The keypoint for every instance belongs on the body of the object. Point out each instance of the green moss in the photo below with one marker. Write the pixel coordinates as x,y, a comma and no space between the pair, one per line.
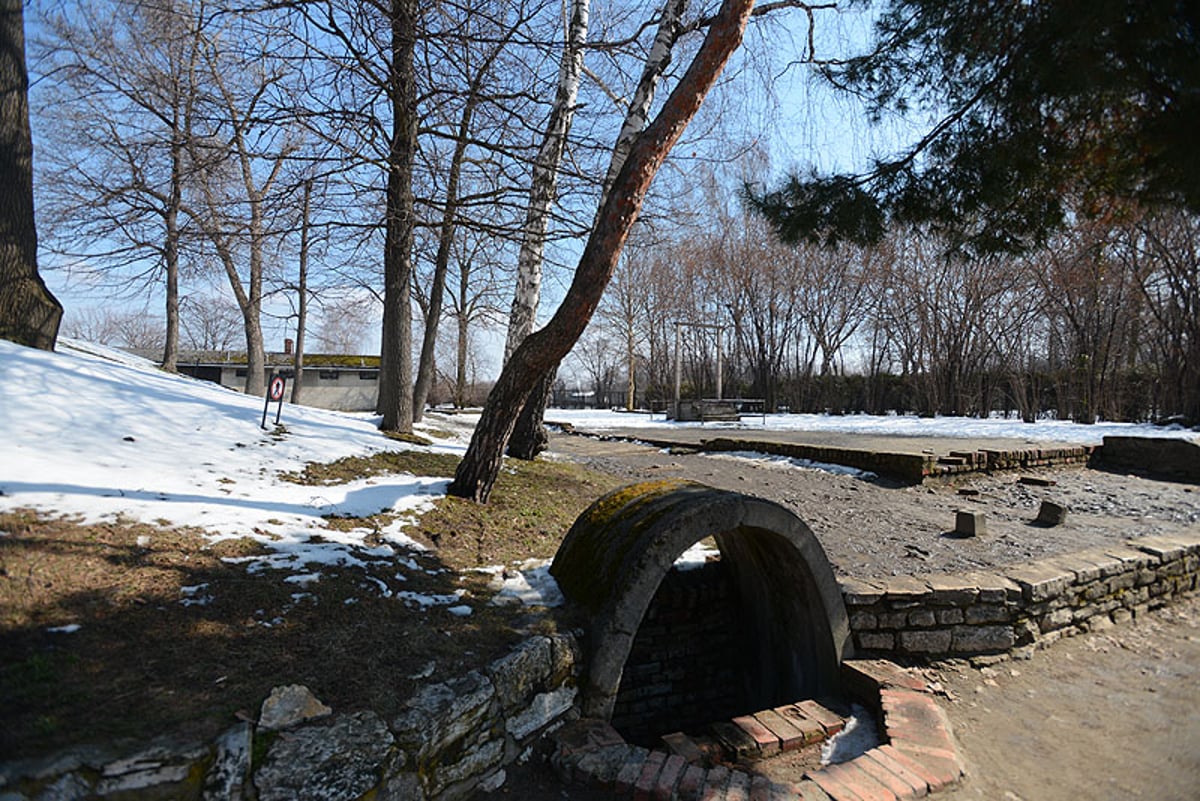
604,534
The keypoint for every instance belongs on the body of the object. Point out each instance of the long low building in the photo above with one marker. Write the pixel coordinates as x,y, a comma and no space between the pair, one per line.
344,383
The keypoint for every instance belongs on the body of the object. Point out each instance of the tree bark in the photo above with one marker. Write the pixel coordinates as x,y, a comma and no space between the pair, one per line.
542,350
441,261
530,437
302,299
29,313
395,369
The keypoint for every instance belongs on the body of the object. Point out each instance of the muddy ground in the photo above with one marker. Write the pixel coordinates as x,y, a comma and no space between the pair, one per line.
1110,715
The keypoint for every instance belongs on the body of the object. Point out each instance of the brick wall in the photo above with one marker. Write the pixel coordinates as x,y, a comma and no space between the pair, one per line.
684,667
1019,607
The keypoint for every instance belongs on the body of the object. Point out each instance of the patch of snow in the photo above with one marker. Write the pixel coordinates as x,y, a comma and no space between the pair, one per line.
1046,430
531,584
195,595
860,736
70,628
426,601
774,462
460,611
98,433
696,556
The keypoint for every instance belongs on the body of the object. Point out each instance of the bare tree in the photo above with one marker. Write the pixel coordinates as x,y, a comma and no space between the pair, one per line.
542,351
29,313
210,323
118,115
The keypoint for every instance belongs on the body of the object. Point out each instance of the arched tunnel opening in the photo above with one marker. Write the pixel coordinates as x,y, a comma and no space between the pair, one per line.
669,649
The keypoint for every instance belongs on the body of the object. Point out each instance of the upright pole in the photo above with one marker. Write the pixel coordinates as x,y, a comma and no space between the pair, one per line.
720,336
678,365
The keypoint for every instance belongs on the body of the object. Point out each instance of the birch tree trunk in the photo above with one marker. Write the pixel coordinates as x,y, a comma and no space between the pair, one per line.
544,182
529,438
29,313
543,350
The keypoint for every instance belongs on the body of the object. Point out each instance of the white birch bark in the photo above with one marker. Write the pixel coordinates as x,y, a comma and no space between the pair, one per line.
544,181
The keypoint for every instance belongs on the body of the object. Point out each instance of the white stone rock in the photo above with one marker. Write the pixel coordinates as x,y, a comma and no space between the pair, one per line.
289,705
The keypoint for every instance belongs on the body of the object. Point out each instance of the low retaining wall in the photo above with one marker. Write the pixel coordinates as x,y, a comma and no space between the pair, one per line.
452,741
1019,607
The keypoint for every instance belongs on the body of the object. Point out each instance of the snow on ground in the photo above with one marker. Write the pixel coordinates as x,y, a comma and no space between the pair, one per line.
895,425
102,435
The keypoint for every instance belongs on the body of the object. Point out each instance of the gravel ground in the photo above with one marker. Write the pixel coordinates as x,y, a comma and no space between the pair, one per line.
871,527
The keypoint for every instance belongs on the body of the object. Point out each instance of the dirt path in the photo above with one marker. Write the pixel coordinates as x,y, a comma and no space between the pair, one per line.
1110,715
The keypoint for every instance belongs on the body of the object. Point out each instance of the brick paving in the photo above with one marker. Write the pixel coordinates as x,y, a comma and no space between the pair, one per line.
920,756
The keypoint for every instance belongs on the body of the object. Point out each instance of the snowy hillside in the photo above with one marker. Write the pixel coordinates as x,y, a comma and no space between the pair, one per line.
98,433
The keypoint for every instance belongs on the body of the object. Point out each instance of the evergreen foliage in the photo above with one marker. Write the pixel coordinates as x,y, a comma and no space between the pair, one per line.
1045,108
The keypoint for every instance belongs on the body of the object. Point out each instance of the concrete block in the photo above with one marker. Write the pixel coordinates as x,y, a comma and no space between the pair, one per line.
968,523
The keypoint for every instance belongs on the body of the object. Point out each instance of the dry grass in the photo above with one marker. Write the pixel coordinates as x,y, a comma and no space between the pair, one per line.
145,661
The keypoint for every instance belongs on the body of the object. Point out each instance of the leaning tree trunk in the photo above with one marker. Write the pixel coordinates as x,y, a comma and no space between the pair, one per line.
542,351
657,60
29,313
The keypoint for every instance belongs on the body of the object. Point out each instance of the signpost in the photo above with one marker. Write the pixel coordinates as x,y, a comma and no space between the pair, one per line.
274,393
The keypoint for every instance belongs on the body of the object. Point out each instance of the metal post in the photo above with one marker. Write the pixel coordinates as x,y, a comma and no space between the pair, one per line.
678,365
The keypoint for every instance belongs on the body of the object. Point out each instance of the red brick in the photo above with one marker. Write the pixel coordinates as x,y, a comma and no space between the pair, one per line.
735,739
691,783
862,782
767,742
808,790
830,721
680,743
945,760
672,770
899,787
920,787
790,736
715,783
936,779
882,673
813,731
644,787
760,788
739,786
834,785
628,775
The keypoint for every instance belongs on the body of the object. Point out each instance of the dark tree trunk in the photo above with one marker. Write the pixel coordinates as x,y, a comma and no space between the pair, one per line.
395,370
541,351
302,299
529,437
171,256
29,313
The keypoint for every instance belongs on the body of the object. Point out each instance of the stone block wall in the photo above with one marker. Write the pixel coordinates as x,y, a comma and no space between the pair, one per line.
1022,606
684,668
452,741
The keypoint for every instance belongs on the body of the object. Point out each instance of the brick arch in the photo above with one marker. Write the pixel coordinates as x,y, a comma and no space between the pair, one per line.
615,556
